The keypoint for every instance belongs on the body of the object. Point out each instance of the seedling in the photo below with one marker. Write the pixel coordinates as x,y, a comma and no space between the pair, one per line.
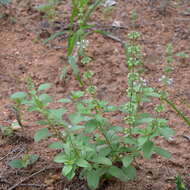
134,18
48,9
179,183
169,58
81,12
24,162
5,2
183,58
7,131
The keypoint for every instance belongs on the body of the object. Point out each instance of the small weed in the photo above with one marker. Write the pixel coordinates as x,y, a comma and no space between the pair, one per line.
81,12
7,131
169,58
48,9
25,161
5,2
183,58
134,18
179,183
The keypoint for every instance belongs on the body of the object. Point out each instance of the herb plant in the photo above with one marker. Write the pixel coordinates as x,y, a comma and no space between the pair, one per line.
85,136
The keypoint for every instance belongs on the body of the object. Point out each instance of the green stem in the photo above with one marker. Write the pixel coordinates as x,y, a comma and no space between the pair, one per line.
181,114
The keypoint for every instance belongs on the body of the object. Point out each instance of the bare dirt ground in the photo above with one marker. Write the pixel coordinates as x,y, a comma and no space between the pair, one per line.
23,55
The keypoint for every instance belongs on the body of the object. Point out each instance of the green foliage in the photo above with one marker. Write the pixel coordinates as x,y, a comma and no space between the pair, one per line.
169,58
182,55
26,160
48,9
77,43
5,2
7,131
53,36
87,139
179,183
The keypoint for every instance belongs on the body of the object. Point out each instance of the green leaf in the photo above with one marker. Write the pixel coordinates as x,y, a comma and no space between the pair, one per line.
33,158
41,134
162,152
118,173
111,108
91,125
82,163
77,127
53,36
16,164
56,114
18,95
166,132
141,140
77,118
102,160
130,140
57,145
127,160
130,172
103,150
117,128
144,120
42,122
44,86
72,62
93,179
77,94
60,158
66,169
64,100
5,2
45,98
148,148
179,183
71,174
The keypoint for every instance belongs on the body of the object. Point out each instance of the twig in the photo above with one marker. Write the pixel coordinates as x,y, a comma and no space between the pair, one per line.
33,185
10,152
115,38
186,137
27,178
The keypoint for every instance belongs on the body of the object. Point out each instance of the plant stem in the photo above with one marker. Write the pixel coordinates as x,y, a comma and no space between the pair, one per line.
181,114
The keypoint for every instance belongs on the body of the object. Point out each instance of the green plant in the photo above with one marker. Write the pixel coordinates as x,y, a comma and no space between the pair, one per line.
5,2
77,43
134,18
165,79
7,131
169,58
86,137
179,183
183,57
48,9
25,161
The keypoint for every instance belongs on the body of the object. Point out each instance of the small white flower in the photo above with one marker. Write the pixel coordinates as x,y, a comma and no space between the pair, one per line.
69,126
162,78
116,23
166,80
83,43
110,3
143,81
